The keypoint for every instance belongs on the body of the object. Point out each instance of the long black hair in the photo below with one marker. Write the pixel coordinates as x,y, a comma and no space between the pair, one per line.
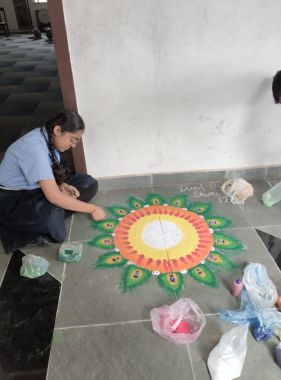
69,121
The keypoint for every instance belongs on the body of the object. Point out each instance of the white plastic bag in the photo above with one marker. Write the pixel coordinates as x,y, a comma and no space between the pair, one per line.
261,289
238,190
179,323
225,361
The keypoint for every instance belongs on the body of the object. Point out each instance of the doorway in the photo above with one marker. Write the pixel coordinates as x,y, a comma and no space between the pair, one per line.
23,14
36,78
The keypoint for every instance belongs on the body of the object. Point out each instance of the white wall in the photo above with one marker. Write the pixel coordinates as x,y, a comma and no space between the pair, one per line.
176,85
10,14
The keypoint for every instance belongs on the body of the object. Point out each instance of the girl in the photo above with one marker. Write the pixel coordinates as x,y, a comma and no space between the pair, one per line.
37,191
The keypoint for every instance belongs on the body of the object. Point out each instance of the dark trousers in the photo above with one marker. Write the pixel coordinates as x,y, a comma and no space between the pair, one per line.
27,214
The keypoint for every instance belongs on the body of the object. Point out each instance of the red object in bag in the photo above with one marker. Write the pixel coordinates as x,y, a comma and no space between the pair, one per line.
180,323
183,328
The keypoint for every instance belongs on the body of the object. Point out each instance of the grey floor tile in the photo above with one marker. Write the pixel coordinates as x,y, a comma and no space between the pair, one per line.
8,89
92,296
259,362
99,300
208,192
212,300
3,97
255,212
32,87
20,109
120,352
34,97
48,108
22,67
50,253
81,229
36,80
272,230
9,81
273,180
4,262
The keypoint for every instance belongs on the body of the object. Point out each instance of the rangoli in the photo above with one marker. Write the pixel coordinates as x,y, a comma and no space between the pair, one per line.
167,240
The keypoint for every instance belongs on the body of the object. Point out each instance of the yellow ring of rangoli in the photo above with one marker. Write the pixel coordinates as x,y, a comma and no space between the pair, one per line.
193,248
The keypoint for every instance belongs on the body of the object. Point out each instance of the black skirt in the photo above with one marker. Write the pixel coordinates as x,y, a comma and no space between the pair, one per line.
27,214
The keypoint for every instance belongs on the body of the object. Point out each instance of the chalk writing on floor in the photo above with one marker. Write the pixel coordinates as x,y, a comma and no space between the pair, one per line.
205,190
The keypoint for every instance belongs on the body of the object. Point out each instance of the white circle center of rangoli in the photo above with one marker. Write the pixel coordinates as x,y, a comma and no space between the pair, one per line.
161,235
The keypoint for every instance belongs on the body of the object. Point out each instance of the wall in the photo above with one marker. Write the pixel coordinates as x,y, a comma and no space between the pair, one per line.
176,85
10,14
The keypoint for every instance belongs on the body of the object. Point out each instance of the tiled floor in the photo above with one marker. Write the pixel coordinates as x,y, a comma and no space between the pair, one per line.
103,334
29,86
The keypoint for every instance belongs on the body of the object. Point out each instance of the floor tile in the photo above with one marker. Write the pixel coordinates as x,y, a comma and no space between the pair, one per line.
48,108
210,299
208,192
27,314
260,358
256,213
273,244
91,296
272,230
8,81
50,253
81,229
120,352
19,110
34,97
4,262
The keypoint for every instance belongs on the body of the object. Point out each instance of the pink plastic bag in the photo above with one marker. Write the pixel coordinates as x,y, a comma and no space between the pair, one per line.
179,323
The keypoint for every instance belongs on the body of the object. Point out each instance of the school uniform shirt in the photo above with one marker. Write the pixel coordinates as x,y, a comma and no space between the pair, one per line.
27,161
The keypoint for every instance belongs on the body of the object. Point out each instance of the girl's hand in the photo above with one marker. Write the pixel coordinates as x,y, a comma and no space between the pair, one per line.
69,190
98,213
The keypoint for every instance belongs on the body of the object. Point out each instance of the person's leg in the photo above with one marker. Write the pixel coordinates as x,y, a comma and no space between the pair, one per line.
85,184
27,215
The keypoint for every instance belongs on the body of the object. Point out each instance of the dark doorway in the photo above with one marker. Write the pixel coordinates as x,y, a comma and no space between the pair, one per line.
23,14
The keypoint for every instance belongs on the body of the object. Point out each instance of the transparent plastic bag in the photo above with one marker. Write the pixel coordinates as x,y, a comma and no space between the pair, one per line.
261,289
179,323
238,190
33,266
226,360
70,252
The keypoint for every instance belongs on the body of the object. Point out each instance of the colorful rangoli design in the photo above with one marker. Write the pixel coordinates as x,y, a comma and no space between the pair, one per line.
168,240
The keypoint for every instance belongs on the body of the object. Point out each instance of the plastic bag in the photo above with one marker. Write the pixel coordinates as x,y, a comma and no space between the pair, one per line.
238,190
179,323
33,266
70,252
261,289
225,361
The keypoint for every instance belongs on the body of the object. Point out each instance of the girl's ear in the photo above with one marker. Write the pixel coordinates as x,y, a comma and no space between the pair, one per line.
57,130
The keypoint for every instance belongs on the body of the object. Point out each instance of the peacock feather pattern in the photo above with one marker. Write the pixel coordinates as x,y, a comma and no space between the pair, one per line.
168,239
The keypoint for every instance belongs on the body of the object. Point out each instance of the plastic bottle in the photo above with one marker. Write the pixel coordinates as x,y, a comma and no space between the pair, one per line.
237,287
272,196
